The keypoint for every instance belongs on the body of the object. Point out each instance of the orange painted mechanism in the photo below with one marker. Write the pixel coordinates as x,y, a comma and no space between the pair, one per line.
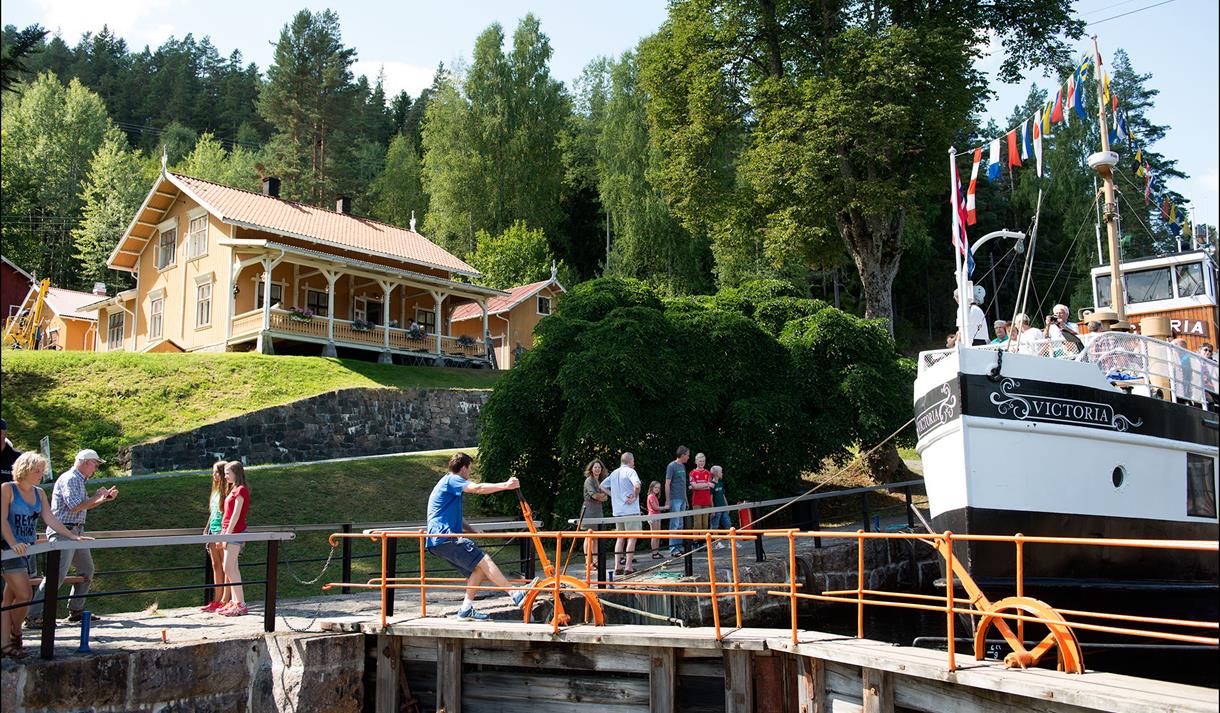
554,582
1060,636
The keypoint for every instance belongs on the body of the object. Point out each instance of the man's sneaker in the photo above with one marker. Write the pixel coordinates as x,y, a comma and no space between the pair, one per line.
76,616
469,614
519,595
719,546
33,623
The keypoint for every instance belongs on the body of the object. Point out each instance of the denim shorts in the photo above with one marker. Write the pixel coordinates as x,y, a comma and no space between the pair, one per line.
17,564
461,553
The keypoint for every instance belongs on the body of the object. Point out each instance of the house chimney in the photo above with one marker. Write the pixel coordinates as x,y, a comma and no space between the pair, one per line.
99,289
343,204
271,186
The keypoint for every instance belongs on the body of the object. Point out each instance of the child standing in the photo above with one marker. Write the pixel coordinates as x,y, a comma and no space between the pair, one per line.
654,508
700,491
216,550
720,520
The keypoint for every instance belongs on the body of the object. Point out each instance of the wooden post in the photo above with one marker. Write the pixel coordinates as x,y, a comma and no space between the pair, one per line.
663,681
389,658
878,691
769,680
449,675
810,685
439,298
738,688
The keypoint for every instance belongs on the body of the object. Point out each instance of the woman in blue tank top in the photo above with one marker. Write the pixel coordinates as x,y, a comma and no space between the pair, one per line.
22,502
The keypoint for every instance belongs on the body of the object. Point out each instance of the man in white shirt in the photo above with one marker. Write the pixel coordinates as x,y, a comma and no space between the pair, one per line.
978,324
624,487
1059,324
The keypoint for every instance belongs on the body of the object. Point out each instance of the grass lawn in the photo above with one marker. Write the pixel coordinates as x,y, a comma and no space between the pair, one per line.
376,490
106,401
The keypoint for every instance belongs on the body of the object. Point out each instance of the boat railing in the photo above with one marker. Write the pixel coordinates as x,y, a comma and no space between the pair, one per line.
1141,364
572,586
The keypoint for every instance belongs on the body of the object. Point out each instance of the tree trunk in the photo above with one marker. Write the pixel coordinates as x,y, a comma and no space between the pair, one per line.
875,244
885,465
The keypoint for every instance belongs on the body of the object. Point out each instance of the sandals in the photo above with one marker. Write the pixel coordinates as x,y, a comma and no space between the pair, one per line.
656,555
14,649
236,610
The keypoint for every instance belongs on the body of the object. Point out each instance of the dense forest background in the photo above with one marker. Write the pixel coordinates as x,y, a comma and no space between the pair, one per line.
706,157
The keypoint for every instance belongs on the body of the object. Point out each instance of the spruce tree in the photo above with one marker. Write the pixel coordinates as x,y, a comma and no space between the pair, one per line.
111,194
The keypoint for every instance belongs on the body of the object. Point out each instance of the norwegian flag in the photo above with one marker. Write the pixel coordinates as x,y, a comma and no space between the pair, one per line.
960,241
974,179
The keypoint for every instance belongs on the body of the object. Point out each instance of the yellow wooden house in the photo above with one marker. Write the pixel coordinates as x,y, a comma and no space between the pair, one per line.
223,269
511,318
66,323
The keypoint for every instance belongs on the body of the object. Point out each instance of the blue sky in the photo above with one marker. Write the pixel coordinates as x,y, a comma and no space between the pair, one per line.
1175,42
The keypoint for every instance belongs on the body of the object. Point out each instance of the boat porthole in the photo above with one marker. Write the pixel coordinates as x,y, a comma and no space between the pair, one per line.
1118,476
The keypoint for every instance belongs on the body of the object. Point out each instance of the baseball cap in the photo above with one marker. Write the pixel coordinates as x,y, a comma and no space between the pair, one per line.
88,454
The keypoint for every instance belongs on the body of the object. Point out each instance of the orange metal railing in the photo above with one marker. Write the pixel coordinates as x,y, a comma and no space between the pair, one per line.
999,614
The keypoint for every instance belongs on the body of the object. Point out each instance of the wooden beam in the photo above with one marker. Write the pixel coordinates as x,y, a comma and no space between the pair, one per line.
738,688
768,677
389,659
878,691
167,195
810,685
449,675
663,682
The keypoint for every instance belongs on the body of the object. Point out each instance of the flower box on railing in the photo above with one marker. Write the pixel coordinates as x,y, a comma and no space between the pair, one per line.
300,315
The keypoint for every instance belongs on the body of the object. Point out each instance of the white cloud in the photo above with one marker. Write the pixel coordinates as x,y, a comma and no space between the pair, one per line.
399,76
139,22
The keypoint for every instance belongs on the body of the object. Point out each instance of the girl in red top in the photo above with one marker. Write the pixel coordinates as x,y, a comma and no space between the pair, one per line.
700,491
237,506
655,507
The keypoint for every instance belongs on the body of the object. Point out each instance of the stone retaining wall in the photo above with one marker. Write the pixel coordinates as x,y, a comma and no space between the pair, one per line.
337,424
302,673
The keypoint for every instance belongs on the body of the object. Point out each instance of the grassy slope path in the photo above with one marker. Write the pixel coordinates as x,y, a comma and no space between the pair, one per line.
106,401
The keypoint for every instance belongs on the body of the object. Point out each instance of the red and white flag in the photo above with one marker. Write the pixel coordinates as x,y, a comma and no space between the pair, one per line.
974,179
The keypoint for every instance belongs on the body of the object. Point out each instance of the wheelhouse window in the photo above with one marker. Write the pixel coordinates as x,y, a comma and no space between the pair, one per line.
166,246
197,237
277,294
1200,486
1103,290
156,311
1149,285
203,304
114,331
544,305
1190,280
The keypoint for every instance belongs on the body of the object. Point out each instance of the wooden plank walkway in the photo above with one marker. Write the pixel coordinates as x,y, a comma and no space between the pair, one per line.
840,673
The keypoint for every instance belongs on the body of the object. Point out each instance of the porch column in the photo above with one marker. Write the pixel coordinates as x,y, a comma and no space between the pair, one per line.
487,336
438,296
264,340
387,288
234,266
332,276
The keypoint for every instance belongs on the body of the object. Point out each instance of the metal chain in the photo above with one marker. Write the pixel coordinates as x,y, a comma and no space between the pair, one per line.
329,557
317,613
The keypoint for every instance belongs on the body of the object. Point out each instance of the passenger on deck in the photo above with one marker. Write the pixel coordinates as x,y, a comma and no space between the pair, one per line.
1057,323
1025,335
720,520
594,495
977,323
1001,332
700,491
624,487
655,508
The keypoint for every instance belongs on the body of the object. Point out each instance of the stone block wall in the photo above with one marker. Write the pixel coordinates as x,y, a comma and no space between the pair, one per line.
337,424
307,673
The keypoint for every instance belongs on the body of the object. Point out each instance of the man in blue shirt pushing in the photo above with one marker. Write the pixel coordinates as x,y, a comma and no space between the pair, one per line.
445,518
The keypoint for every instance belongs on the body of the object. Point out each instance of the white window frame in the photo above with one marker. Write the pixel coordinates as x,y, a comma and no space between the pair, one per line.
167,226
320,309
156,315
113,344
203,302
538,305
196,237
258,288
423,317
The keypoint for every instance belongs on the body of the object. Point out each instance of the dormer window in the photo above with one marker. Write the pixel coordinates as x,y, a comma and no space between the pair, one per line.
544,305
167,244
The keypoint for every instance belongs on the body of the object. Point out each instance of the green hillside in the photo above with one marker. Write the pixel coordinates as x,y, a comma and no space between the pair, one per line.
106,401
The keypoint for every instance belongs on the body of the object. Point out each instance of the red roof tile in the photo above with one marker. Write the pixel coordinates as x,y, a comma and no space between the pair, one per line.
495,305
321,225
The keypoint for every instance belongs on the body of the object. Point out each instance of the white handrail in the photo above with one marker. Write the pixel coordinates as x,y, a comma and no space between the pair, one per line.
153,541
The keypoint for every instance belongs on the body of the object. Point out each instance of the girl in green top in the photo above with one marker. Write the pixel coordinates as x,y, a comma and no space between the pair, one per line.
220,488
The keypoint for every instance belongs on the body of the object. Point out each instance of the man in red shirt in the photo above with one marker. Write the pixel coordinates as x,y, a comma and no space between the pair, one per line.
701,491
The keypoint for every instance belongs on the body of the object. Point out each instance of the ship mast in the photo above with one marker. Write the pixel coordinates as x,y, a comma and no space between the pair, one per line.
1104,163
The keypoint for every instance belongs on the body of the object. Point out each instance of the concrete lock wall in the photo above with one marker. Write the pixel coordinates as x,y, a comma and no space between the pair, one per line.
337,424
276,672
